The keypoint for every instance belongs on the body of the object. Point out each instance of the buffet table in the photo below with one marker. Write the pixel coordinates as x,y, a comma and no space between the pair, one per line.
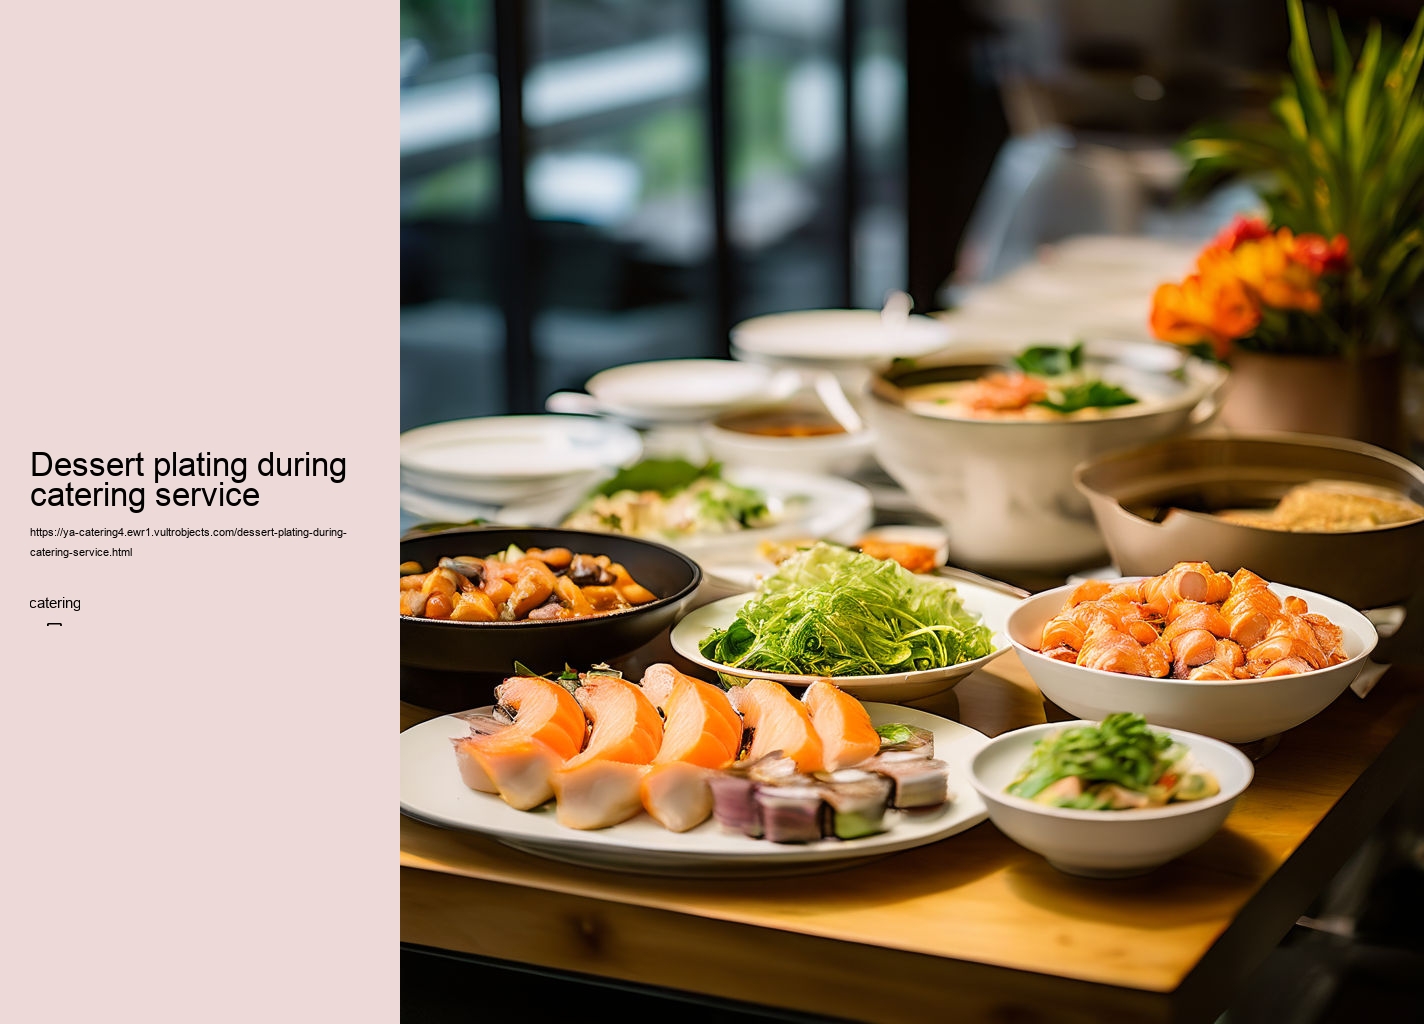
973,926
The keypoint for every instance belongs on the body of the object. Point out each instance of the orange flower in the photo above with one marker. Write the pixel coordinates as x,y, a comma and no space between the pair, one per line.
1320,256
1241,229
1212,307
1266,267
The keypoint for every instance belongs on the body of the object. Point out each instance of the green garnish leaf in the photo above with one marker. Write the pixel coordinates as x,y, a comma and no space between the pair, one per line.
1050,360
1090,394
666,476
830,611
893,732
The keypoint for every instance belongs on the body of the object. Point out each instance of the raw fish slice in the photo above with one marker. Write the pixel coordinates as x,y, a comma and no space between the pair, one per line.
857,801
544,710
677,794
780,722
700,726
625,725
919,781
520,768
657,683
597,793
842,723
471,774
792,814
734,802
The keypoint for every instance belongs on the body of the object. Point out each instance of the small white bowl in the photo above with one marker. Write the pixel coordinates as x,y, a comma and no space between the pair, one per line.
825,454
1106,844
687,390
1237,711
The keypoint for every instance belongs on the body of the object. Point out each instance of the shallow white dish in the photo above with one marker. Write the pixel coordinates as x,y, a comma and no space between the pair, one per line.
992,603
687,390
493,459
834,335
431,791
810,505
1106,844
1237,711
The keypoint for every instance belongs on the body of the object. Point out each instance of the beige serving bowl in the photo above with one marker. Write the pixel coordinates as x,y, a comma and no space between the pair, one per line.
1155,506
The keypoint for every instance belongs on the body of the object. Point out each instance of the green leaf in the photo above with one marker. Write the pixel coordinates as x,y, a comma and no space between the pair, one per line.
1050,360
666,476
1087,395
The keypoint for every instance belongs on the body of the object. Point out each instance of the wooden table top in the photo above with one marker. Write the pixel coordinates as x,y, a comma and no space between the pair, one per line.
974,925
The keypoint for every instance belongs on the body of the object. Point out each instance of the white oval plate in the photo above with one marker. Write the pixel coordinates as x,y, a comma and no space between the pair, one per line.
993,604
431,791
810,505
687,390
839,334
492,459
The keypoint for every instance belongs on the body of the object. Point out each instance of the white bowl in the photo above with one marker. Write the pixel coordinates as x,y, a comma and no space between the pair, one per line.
1105,844
491,460
845,342
687,390
1237,711
827,454
1004,488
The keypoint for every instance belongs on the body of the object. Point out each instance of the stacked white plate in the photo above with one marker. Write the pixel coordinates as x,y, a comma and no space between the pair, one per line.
472,468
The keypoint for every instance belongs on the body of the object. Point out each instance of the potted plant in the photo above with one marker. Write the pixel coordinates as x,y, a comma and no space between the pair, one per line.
1321,287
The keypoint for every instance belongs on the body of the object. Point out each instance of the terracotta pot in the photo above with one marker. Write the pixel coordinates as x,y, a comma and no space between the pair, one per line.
1355,397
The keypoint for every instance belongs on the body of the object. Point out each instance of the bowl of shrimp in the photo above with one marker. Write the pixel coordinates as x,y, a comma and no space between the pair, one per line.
478,600
1231,656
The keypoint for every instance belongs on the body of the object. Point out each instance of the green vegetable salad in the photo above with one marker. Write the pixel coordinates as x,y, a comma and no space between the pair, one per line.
1115,765
829,611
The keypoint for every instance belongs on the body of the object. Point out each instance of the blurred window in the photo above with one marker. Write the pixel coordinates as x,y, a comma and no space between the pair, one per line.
683,165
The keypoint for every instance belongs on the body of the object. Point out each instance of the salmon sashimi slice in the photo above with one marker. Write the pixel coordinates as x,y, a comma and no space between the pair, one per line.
700,724
842,723
544,710
624,725
597,793
677,794
780,722
519,768
546,727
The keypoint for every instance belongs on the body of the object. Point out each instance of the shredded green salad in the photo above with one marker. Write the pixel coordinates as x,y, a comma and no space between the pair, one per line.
830,611
1117,764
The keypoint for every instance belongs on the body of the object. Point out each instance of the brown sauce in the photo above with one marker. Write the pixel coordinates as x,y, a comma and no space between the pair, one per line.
783,423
